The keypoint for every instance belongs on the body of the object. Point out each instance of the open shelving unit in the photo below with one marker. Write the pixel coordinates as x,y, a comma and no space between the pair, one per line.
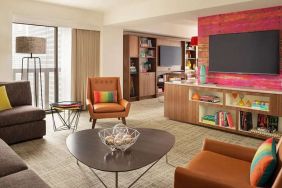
232,101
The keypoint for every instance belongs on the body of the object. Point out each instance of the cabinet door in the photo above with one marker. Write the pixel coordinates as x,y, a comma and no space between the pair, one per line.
133,46
151,81
147,84
142,84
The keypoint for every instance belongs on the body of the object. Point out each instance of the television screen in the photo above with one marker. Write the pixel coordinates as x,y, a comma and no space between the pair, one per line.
249,53
170,56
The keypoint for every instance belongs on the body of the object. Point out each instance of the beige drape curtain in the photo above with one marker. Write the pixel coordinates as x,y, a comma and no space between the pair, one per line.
85,61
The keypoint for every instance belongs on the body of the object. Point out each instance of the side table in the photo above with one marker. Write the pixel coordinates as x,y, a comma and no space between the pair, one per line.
68,112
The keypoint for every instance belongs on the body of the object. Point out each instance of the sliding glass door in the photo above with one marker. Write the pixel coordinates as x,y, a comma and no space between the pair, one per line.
56,63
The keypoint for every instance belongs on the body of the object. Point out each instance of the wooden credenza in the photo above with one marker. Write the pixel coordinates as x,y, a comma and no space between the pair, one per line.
179,106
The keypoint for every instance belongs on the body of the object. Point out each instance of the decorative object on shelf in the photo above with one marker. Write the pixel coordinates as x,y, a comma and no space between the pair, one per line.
142,53
120,137
147,66
246,121
241,102
234,95
32,45
196,96
202,74
260,105
248,103
194,41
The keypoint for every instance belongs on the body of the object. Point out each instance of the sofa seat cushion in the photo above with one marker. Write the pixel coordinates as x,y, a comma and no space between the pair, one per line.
10,162
23,179
108,107
221,168
21,114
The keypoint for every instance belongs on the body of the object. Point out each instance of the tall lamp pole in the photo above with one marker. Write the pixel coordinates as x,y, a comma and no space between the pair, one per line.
32,45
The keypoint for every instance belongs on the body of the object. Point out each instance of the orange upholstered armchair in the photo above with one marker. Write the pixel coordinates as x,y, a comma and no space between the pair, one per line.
106,110
223,165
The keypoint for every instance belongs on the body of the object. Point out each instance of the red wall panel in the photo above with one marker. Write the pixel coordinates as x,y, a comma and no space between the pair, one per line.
237,22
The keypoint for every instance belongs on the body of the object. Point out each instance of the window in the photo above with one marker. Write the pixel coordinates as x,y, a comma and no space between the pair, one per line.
56,63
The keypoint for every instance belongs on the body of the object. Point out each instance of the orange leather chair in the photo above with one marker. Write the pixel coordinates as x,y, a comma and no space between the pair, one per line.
222,165
106,110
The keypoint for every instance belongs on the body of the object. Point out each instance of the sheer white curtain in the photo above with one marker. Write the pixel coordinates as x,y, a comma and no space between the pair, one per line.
64,63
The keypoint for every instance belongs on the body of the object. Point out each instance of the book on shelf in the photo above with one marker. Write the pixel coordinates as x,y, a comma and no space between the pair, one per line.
246,121
267,123
222,119
210,98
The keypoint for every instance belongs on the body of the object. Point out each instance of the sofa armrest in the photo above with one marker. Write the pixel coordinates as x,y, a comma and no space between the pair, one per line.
184,178
231,150
126,105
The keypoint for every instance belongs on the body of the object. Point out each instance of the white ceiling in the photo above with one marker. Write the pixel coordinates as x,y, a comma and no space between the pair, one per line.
96,5
180,12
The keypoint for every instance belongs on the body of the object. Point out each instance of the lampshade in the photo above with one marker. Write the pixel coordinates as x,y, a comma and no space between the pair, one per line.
194,41
28,45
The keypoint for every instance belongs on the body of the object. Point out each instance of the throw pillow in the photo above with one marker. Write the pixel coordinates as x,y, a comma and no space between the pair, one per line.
264,163
4,100
105,97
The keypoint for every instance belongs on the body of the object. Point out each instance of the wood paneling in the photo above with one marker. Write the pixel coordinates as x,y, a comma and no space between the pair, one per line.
147,83
126,65
177,105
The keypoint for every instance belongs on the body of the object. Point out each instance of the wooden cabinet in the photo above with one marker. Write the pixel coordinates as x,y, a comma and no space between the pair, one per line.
133,46
147,84
177,105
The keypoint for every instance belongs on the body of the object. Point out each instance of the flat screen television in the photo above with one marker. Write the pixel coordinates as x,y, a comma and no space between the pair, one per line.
246,53
170,56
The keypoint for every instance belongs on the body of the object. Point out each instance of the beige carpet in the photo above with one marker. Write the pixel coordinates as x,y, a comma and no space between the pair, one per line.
50,159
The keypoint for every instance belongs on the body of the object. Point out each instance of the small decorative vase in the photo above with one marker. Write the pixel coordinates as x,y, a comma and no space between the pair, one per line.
203,75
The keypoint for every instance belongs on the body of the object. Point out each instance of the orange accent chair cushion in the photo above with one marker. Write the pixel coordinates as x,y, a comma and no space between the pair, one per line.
108,107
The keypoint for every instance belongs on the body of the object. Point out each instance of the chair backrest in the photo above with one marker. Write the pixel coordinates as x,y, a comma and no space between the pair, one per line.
278,173
19,92
103,84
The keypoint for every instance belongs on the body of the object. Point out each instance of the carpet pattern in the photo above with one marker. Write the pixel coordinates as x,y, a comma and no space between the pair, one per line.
51,160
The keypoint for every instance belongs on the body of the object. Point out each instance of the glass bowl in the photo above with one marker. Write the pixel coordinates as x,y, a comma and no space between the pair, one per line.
119,137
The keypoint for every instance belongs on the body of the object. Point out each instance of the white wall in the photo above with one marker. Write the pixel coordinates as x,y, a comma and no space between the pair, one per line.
25,11
168,29
112,43
112,51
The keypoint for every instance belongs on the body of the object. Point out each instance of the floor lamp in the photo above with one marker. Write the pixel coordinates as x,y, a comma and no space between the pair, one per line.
32,45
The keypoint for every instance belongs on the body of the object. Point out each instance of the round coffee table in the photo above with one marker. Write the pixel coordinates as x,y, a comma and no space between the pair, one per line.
150,147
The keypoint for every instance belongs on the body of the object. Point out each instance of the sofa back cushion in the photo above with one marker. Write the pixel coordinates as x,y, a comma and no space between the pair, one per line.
19,92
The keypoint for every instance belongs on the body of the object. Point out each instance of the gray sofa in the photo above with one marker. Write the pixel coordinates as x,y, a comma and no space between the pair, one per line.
14,172
22,122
